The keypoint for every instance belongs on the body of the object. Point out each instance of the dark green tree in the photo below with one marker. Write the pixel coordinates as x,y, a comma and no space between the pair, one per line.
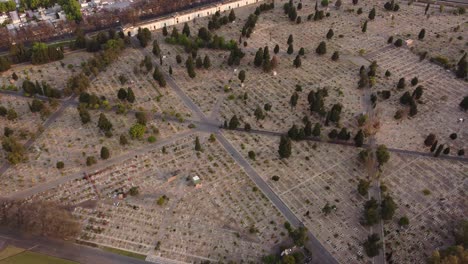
388,208
372,245
297,61
206,62
186,30
234,122
335,56
359,138
284,149
242,76
197,144
363,187
105,154
372,14
130,95
103,123
464,103
330,33
322,48
364,27
421,34
122,94
462,68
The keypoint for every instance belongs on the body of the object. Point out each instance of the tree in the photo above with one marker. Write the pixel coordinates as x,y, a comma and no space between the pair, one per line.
439,150
371,213
464,103
418,92
406,98
252,155
60,165
258,113
316,131
308,129
164,30
322,48
284,147
290,49
371,14
398,43
103,123
372,245
105,154
294,99
90,161
134,191
242,76
335,56
401,83
363,187
290,39
137,131
434,146
186,30
206,62
364,27
197,144
297,61
276,49
11,114
36,106
359,138
301,51
330,33
190,67
130,95
84,115
414,81
422,33
234,122
156,49
404,221
144,36
344,134
382,154
4,64
232,16
122,94
462,68
430,139
388,208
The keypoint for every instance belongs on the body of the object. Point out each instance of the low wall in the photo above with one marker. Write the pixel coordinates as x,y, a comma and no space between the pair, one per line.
178,18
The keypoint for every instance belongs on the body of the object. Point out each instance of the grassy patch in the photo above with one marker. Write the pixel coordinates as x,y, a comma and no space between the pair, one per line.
9,251
125,253
28,257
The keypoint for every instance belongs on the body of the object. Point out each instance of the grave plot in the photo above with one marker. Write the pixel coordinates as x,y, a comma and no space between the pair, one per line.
438,110
149,96
315,174
223,218
55,73
431,193
69,141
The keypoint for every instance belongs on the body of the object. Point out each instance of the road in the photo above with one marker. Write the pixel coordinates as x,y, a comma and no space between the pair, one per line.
63,249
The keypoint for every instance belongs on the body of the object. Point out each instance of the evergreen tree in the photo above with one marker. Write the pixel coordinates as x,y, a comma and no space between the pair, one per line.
462,68
258,113
401,83
290,49
104,124
316,132
186,30
422,33
290,39
398,43
335,56
364,27
199,62
130,95
232,16
464,103
308,129
276,49
430,139
258,57
242,76
301,51
363,187
297,61
84,115
294,99
359,138
164,30
388,208
284,149
234,122
418,92
330,34
434,146
122,94
197,144
190,67
105,154
156,49
371,14
322,48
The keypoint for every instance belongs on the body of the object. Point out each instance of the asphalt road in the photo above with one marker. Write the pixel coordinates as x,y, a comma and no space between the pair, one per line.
63,249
